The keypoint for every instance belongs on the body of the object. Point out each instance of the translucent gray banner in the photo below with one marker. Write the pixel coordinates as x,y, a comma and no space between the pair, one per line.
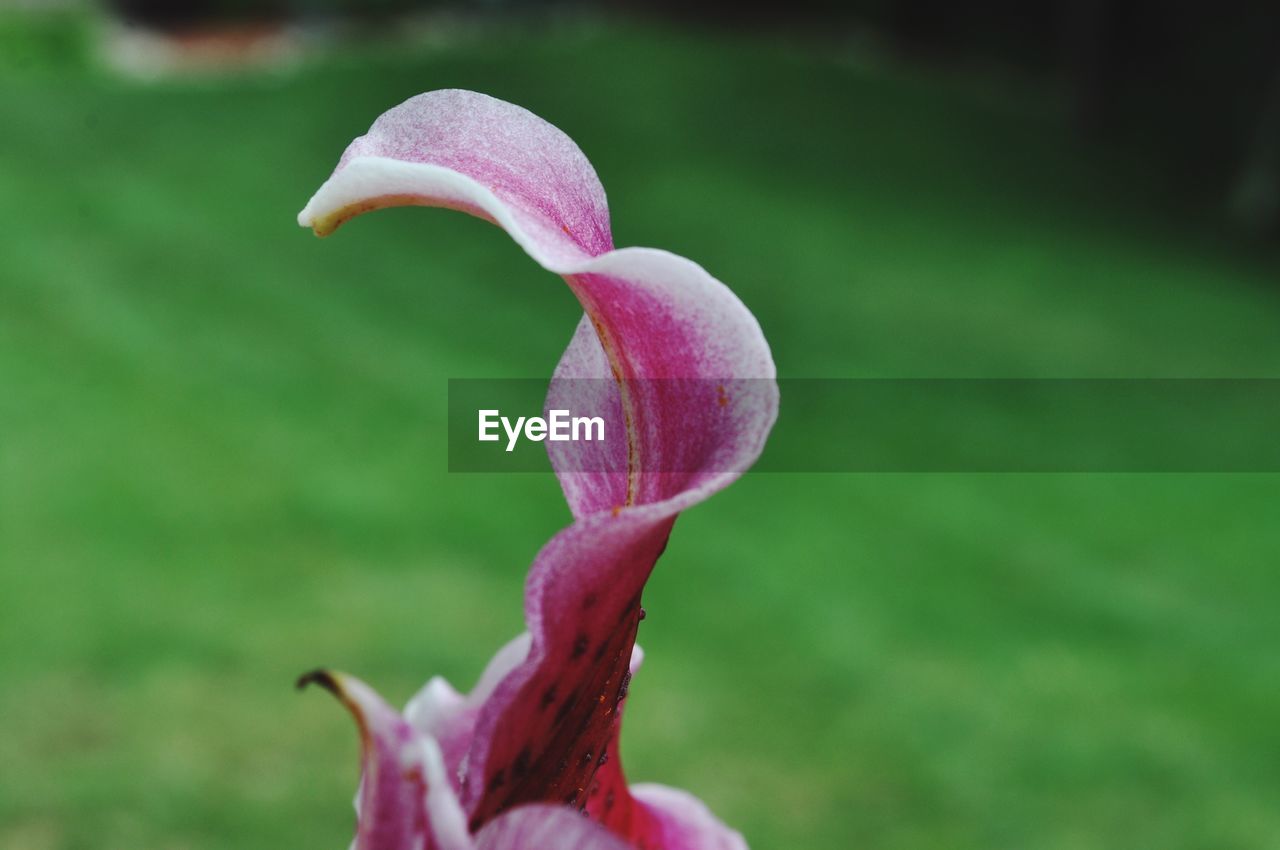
900,425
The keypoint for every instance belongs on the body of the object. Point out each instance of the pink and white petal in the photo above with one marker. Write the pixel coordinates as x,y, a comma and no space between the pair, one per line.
653,317
446,821
390,804
467,151
693,376
656,315
594,474
447,716
676,820
540,736
546,827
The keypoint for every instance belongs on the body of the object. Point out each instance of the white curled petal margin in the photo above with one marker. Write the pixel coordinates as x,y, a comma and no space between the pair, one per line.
367,183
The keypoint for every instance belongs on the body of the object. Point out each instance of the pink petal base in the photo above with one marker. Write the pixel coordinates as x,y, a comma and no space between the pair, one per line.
408,791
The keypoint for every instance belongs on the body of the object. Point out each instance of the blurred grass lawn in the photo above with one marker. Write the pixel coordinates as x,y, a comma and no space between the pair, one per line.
222,461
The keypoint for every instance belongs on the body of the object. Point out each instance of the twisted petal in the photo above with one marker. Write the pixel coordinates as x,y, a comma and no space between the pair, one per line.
405,800
467,151
542,734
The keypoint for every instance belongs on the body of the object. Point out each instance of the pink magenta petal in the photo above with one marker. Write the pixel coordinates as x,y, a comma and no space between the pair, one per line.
678,363
655,315
468,151
405,801
546,828
440,712
541,735
676,820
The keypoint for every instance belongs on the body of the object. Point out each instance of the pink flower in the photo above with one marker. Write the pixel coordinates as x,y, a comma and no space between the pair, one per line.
511,765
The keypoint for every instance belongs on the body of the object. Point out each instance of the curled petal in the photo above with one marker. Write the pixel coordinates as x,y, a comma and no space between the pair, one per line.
655,315
692,384
650,317
391,801
405,800
467,151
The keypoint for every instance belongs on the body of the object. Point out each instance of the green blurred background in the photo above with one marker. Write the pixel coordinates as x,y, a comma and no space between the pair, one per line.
222,457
